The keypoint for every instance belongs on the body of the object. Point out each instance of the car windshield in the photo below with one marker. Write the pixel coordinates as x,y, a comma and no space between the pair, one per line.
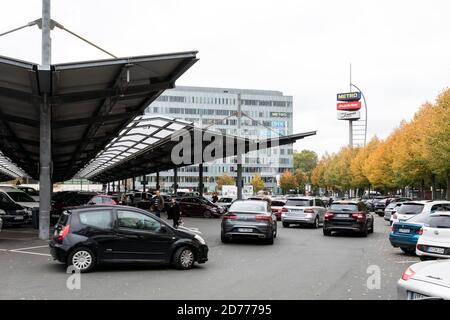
20,196
248,206
344,207
225,200
439,222
410,208
298,203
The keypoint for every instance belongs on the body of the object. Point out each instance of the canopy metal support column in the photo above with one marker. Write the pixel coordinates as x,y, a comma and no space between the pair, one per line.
200,179
45,144
144,183
134,183
158,186
239,181
175,180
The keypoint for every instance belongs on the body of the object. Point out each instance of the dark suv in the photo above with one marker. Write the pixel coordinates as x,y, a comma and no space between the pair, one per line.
348,216
88,235
199,207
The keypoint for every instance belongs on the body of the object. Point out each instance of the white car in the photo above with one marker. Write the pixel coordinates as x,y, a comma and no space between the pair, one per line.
21,198
303,210
425,280
435,239
411,208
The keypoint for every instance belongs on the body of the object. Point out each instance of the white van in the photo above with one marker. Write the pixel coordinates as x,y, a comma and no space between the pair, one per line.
21,198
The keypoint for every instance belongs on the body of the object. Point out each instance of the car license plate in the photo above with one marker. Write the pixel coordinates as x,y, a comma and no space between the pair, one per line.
404,230
342,215
245,230
435,250
415,296
18,218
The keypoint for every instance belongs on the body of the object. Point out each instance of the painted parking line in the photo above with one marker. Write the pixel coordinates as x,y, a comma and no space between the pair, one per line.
29,248
3,250
32,253
407,261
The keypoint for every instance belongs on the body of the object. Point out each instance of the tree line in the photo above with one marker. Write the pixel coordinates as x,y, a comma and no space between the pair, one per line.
415,155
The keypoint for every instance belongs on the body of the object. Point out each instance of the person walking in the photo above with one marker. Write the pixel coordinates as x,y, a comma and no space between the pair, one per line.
174,212
215,197
158,204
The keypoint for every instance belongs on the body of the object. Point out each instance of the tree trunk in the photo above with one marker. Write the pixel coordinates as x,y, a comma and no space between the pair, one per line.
447,197
433,184
422,190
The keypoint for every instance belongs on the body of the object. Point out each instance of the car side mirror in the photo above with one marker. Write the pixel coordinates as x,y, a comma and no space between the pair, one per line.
91,203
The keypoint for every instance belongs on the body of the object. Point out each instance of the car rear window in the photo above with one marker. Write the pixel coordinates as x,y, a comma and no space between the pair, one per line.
251,206
299,203
64,218
420,218
410,208
100,219
439,222
344,207
276,203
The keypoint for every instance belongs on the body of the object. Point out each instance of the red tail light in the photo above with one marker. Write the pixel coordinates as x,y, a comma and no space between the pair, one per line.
394,216
358,216
308,211
408,274
328,215
263,218
230,216
284,210
63,233
419,231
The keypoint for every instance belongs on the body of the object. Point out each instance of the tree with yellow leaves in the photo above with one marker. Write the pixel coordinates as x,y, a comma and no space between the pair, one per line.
257,183
287,181
359,178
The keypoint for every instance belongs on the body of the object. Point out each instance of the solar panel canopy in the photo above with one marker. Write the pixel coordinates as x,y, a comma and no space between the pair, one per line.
91,103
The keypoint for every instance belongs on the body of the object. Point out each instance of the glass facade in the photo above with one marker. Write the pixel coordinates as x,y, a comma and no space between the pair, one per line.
264,114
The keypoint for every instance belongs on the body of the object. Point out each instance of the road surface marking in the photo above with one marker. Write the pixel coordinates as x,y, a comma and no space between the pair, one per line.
36,247
33,253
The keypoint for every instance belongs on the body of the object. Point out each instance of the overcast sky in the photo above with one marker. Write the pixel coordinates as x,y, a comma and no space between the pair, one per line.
399,50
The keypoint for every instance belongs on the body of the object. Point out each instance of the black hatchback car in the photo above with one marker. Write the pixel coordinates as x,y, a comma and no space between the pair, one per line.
87,236
11,213
348,216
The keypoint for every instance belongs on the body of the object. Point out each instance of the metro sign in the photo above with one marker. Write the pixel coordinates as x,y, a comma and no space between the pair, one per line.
349,106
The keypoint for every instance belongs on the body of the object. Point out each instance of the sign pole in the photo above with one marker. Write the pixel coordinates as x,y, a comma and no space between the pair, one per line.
350,122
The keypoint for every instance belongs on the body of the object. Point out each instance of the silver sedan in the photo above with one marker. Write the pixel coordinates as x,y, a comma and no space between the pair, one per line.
425,281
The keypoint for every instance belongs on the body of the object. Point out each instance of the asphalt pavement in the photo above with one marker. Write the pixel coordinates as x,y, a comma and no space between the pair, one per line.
302,264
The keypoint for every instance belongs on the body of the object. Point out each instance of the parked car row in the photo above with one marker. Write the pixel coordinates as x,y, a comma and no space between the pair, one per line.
16,206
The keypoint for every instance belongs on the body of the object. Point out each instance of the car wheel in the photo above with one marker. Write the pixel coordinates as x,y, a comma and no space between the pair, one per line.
207,214
316,223
184,258
365,232
270,239
426,258
82,259
326,232
286,225
408,250
224,239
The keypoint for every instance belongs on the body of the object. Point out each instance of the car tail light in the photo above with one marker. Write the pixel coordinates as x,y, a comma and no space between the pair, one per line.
263,218
63,233
408,274
284,210
394,216
328,215
230,216
419,231
358,215
308,211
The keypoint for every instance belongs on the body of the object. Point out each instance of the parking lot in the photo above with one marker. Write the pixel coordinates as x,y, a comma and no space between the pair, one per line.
302,264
